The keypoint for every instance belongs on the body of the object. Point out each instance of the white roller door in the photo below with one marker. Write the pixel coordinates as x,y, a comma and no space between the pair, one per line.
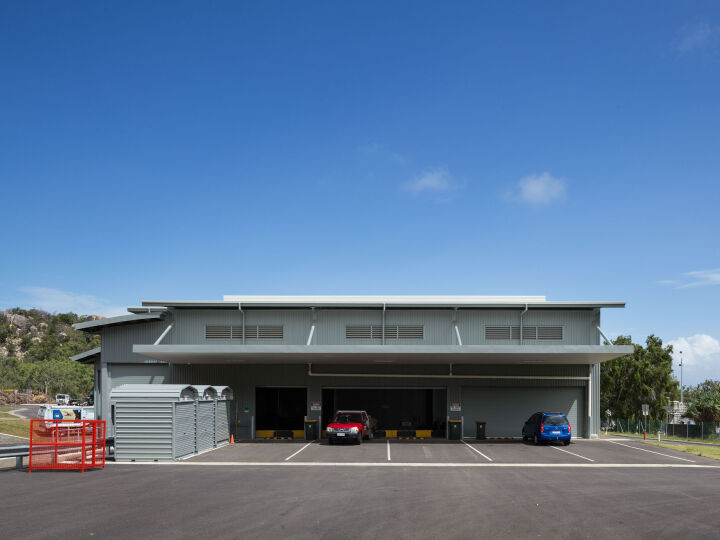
506,409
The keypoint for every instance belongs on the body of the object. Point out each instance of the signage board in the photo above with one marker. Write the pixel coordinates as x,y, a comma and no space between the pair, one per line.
315,406
455,407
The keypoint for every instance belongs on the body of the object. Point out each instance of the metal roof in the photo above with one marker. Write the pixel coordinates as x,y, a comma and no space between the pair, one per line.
155,391
378,301
87,357
92,326
380,354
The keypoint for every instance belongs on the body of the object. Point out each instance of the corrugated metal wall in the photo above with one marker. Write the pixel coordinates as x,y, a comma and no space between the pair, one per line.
506,410
189,328
185,429
143,430
223,420
205,425
117,341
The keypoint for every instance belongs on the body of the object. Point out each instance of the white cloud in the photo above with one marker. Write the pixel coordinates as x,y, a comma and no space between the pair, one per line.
696,37
697,278
434,181
539,190
701,358
57,301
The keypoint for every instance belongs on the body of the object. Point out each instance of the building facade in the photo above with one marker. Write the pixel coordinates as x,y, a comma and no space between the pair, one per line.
413,362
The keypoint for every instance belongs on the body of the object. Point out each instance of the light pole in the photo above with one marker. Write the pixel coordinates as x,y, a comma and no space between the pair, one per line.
681,380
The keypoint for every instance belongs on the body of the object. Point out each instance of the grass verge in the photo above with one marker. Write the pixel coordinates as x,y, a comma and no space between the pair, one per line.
711,452
5,413
13,425
708,439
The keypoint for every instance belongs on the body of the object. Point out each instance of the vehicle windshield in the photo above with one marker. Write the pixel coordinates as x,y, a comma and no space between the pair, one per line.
347,418
555,420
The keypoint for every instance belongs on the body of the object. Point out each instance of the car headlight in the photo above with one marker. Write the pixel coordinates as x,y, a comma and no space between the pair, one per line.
330,430
354,430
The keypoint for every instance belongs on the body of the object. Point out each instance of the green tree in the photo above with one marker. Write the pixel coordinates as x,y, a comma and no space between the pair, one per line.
645,376
704,402
41,359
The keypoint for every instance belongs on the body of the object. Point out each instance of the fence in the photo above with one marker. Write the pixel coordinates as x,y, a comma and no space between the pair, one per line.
701,431
67,444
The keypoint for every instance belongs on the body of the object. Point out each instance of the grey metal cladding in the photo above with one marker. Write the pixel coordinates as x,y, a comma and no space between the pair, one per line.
205,425
185,429
223,420
428,327
143,430
506,409
117,341
138,374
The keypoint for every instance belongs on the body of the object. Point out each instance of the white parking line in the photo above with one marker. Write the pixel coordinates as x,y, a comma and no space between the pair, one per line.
476,450
652,451
388,449
573,453
465,465
296,453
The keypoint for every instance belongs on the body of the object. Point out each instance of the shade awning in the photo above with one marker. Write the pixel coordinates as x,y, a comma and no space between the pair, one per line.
87,357
369,354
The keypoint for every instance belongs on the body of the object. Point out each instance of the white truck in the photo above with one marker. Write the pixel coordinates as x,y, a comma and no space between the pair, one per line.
61,412
62,399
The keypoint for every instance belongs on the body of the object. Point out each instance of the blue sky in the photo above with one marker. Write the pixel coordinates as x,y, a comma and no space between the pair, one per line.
189,151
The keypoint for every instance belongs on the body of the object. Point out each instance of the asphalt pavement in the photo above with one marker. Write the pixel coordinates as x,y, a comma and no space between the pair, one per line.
421,489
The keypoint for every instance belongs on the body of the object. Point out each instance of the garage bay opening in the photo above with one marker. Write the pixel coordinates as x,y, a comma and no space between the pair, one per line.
397,412
280,412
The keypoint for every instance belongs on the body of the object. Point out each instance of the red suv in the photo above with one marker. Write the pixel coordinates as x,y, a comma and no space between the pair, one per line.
349,426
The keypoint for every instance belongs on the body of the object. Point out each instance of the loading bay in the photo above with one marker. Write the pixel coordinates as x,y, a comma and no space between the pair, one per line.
398,488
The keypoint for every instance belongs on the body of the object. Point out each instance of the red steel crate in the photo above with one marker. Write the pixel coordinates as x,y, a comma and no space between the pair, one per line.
67,444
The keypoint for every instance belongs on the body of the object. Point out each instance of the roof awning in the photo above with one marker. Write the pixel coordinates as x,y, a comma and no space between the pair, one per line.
99,324
379,354
87,357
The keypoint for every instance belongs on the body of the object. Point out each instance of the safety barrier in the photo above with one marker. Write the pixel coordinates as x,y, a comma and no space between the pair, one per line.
67,444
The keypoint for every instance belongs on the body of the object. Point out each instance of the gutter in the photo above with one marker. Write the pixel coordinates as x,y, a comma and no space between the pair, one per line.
521,323
447,376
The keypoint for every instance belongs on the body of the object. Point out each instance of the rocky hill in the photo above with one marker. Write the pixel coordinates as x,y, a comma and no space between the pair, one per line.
35,350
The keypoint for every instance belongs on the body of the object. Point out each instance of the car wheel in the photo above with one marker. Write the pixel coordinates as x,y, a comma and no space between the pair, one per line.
359,439
536,440
331,442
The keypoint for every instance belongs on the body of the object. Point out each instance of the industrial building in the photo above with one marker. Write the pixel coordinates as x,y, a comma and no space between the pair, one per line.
413,362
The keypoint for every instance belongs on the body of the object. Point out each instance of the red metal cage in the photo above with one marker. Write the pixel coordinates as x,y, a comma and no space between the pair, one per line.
67,444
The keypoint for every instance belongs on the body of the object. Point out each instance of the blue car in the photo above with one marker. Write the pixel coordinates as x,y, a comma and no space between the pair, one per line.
544,426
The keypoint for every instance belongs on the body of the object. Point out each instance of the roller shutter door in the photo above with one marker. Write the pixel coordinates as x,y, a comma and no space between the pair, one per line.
222,421
205,425
506,409
184,429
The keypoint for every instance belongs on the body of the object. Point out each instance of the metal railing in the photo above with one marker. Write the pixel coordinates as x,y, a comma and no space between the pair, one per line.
21,451
699,431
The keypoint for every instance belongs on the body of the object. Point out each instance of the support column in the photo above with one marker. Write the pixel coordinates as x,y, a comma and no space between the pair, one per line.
594,401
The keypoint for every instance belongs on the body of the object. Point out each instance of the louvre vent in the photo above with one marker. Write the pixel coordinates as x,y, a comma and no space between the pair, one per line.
550,333
410,332
263,332
530,333
357,332
497,332
251,332
391,332
217,332
237,332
